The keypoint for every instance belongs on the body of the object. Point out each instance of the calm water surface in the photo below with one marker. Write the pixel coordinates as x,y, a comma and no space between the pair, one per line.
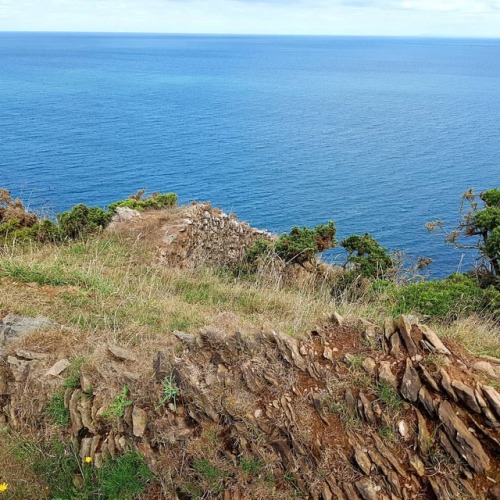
380,135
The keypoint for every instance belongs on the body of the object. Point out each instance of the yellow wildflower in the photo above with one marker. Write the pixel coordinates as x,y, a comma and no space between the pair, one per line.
3,487
88,460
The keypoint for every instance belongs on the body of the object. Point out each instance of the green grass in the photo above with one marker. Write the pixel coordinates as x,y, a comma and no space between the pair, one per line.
251,466
170,391
53,275
58,464
56,412
116,408
389,396
72,377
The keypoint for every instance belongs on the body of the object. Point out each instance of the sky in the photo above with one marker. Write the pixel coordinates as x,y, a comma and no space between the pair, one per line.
456,18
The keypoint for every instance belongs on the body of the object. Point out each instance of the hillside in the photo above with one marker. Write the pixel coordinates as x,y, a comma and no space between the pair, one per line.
144,362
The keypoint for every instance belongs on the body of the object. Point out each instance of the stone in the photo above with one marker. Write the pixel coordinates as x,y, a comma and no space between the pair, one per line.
139,421
363,460
389,328
367,489
13,327
428,378
403,429
446,384
369,366
424,396
123,214
58,368
411,384
385,374
74,413
485,367
189,338
365,407
434,340
405,331
337,318
30,355
424,438
466,394
493,398
121,354
388,455
417,465
462,439
395,342
84,407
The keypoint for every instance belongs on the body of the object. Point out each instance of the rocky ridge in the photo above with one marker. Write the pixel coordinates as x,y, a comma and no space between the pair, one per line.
356,410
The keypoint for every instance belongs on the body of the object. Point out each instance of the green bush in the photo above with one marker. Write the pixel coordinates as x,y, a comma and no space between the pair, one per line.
156,201
302,244
367,257
82,221
447,298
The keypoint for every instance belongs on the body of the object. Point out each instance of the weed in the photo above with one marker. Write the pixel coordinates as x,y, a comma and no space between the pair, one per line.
170,391
56,410
251,466
116,408
389,396
387,433
438,360
355,361
341,409
210,474
72,378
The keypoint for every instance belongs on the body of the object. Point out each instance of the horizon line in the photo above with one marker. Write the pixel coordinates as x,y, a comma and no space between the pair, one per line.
459,37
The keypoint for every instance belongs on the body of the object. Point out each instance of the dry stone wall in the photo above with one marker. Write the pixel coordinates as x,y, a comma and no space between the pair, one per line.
354,411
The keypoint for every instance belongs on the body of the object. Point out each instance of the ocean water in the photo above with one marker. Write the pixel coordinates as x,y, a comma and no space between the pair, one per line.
378,134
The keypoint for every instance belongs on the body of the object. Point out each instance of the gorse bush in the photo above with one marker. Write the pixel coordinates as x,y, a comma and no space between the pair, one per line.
446,299
156,201
303,244
83,221
366,257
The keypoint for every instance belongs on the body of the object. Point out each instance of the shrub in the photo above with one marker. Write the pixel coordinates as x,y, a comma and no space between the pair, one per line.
302,245
156,201
82,221
367,257
446,298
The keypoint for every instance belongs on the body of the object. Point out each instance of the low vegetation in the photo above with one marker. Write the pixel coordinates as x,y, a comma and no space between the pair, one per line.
110,288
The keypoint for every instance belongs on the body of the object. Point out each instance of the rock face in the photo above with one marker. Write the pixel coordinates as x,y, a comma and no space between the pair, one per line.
315,407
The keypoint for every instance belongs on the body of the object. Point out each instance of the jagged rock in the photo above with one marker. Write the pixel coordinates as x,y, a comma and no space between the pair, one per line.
96,440
189,338
334,488
367,489
395,343
428,378
365,408
289,350
139,421
405,331
493,398
74,413
58,368
390,327
462,439
387,454
434,340
411,383
424,396
350,491
363,460
84,407
424,438
385,374
485,367
446,443
121,353
466,394
30,355
369,365
446,383
417,464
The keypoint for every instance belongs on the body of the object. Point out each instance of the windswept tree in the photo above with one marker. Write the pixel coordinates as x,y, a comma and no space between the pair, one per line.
479,229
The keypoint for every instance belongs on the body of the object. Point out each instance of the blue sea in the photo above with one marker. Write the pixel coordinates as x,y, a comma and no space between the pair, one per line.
378,134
